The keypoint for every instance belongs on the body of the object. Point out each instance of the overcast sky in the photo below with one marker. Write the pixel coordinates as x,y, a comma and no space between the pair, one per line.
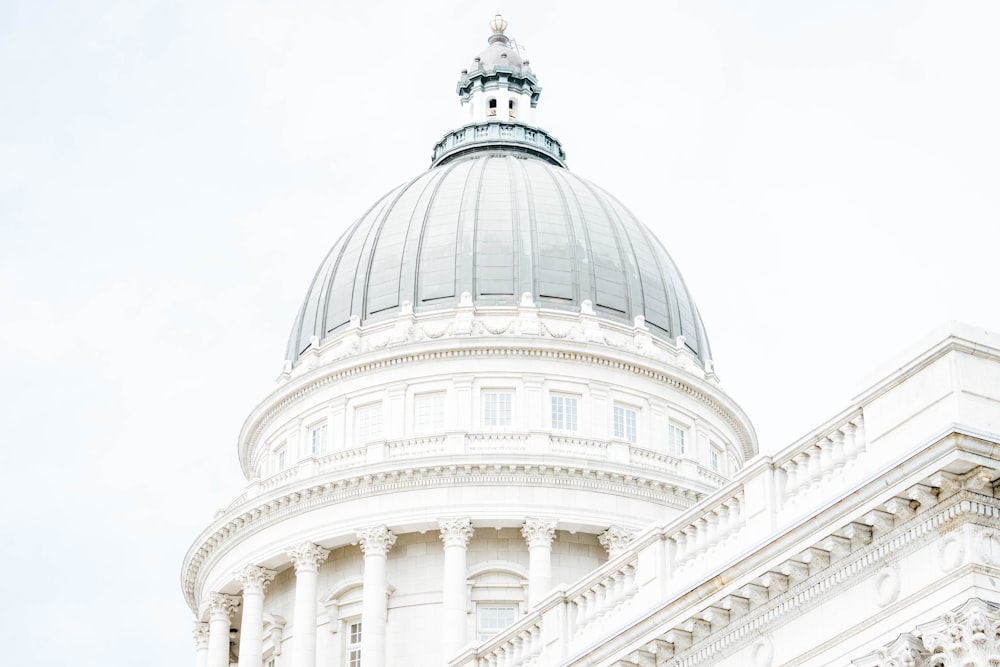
825,174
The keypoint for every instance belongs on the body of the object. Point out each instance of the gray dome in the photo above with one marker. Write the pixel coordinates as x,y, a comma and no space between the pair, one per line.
500,54
497,224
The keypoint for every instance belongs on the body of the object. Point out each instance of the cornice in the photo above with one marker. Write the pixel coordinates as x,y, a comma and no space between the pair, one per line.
484,347
260,513
962,508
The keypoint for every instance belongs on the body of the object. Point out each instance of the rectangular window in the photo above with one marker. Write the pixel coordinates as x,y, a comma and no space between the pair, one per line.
492,618
677,437
713,459
626,423
271,662
317,440
428,412
564,413
280,455
354,645
497,408
369,422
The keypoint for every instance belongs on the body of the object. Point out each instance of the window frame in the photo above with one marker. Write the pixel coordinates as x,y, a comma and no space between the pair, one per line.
437,420
629,431
352,642
318,428
496,421
567,422
485,634
675,446
363,415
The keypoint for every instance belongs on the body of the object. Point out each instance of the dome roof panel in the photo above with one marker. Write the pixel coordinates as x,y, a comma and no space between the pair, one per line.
497,224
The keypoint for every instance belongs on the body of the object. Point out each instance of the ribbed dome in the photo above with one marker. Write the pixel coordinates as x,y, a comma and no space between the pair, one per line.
496,225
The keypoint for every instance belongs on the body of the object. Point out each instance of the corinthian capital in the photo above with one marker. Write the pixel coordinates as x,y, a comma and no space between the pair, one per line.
222,606
307,557
376,540
200,633
456,532
254,579
539,532
614,540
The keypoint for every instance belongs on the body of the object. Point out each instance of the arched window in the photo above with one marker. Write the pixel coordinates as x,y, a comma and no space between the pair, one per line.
497,597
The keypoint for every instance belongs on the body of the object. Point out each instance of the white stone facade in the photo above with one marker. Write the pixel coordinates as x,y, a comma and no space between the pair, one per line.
498,485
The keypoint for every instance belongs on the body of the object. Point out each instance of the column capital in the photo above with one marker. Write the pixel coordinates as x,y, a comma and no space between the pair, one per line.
200,634
254,579
456,532
307,557
615,539
222,606
539,532
375,540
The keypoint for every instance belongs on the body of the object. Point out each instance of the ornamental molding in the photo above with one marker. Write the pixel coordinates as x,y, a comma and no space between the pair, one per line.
764,600
271,511
254,579
375,540
307,557
286,396
806,589
456,532
200,634
539,532
615,540
967,636
221,607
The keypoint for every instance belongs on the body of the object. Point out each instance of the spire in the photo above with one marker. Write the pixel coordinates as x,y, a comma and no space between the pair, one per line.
498,25
500,84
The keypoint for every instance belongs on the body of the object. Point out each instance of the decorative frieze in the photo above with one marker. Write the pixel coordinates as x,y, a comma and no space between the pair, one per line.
375,540
539,532
456,532
255,579
307,557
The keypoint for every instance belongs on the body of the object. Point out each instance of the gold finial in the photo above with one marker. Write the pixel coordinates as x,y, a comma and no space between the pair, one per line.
498,24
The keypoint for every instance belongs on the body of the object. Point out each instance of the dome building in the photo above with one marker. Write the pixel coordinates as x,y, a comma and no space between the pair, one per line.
498,439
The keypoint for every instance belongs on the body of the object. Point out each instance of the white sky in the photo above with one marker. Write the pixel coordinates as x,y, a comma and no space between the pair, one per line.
171,174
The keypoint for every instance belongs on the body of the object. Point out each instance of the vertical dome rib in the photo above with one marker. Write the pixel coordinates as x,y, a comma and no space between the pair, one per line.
498,224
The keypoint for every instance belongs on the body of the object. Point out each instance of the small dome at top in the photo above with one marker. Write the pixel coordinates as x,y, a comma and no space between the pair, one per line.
500,52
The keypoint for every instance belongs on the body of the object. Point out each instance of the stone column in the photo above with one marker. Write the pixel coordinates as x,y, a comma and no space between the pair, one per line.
539,533
221,608
455,533
254,580
200,643
306,558
375,543
614,540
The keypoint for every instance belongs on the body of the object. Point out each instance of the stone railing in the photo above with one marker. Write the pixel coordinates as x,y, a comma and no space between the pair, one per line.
510,134
632,581
427,448
415,447
809,465
666,561
342,460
